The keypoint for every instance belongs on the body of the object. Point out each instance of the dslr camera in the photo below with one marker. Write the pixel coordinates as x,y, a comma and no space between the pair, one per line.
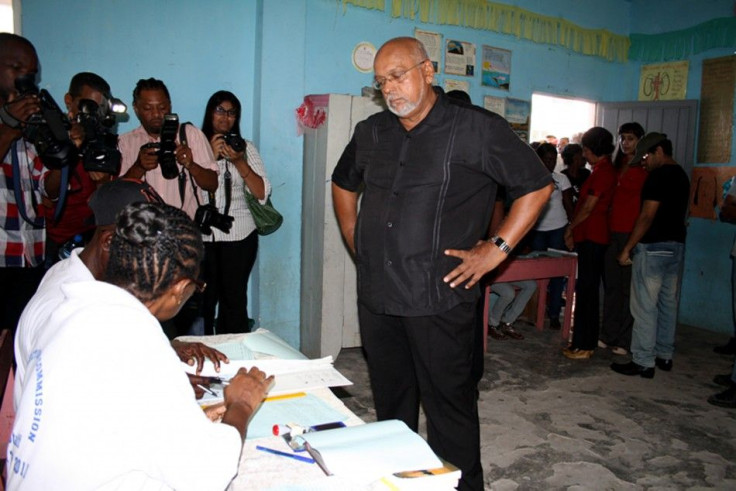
48,129
99,151
166,148
207,217
235,141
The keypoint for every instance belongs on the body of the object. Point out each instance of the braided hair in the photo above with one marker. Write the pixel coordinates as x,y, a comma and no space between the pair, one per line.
154,246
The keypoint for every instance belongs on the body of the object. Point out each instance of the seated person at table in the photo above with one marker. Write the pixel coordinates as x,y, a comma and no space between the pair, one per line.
89,264
106,403
508,307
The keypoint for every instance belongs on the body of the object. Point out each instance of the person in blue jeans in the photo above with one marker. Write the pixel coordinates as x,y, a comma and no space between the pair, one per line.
658,244
508,307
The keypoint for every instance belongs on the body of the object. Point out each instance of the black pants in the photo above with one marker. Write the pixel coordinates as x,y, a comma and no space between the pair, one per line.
617,318
226,269
428,359
17,286
587,301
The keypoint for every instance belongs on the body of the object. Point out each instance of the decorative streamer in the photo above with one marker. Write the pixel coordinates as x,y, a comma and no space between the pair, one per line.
679,45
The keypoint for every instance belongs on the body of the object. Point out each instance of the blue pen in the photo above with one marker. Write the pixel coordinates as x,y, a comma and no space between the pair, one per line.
285,454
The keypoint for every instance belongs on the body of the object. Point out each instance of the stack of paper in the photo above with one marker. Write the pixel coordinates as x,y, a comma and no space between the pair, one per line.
384,452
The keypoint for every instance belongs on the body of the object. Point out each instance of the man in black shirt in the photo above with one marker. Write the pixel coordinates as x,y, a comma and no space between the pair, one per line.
658,242
428,169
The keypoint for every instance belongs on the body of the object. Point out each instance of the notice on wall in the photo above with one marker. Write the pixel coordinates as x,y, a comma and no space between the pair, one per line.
716,110
459,58
495,104
707,189
496,67
432,42
663,81
452,84
517,114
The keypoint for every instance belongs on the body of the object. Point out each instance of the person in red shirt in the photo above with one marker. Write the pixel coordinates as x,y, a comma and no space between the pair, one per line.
588,235
625,206
76,215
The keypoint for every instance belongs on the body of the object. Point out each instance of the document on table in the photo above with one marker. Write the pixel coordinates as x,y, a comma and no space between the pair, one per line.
371,450
305,410
291,375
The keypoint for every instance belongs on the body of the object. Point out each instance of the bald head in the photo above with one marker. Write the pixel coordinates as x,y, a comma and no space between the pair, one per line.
411,46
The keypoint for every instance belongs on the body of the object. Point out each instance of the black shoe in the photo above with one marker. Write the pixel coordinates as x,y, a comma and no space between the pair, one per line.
727,349
509,331
724,380
727,398
663,364
555,324
495,333
632,368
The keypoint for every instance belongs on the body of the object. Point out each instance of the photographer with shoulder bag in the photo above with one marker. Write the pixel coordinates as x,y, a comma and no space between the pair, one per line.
230,255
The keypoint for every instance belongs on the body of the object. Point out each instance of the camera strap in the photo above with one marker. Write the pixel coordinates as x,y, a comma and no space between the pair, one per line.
20,201
183,173
228,188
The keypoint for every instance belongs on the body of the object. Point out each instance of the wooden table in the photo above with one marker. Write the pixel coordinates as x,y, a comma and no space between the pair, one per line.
540,267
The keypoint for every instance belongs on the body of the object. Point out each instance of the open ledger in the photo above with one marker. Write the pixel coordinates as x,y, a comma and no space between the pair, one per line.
376,451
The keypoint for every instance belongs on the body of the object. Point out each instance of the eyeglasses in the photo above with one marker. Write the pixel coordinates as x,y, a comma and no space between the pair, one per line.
233,113
200,286
380,82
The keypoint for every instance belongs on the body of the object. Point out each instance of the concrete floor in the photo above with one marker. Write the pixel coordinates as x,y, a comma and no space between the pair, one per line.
552,423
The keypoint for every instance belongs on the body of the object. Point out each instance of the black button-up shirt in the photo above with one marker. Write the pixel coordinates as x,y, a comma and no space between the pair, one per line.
427,190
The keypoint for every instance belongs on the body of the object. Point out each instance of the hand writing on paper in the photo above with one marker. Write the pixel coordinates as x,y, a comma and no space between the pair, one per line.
190,353
243,396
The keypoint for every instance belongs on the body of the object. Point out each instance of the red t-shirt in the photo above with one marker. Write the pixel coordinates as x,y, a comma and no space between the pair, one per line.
626,203
601,183
76,216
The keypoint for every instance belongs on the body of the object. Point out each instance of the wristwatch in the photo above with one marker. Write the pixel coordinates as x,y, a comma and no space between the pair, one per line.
500,243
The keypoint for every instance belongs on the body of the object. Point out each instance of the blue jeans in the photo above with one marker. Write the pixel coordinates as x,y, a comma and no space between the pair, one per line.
655,296
510,305
555,239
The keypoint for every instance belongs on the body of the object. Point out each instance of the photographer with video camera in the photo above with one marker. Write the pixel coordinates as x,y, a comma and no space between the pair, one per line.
146,154
88,105
230,252
22,235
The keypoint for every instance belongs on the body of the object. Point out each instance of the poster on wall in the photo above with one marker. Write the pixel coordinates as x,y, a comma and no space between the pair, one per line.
496,67
715,131
517,114
663,81
453,84
707,190
432,42
495,104
459,58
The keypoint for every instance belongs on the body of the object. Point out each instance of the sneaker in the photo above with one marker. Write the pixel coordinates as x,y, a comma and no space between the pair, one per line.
601,344
618,350
495,333
509,331
727,398
555,324
727,349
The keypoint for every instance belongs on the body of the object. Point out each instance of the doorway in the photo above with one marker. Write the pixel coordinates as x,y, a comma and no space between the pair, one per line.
561,117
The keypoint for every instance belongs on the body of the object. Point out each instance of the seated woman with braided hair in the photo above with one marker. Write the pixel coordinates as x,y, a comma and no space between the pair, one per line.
106,404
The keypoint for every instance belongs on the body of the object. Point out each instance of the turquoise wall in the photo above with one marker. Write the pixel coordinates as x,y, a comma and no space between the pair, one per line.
272,53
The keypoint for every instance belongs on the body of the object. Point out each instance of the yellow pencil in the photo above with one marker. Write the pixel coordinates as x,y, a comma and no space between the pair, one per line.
285,396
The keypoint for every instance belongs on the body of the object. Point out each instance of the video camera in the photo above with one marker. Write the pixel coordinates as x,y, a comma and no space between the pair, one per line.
99,151
48,129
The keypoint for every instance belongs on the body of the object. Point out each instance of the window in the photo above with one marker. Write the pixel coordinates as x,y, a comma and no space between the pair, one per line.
6,16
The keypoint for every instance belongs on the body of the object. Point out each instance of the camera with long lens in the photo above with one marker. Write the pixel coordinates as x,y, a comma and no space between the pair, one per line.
167,149
235,141
47,129
99,150
207,217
